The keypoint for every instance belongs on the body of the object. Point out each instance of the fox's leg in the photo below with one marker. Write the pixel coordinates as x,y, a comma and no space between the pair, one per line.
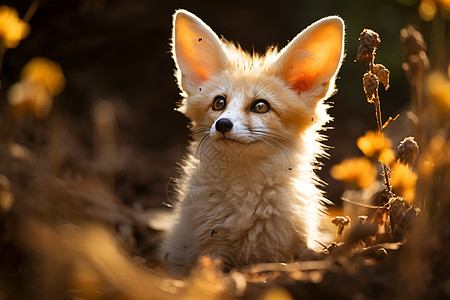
179,249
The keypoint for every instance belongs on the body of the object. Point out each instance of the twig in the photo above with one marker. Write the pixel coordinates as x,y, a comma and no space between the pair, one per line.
362,204
389,121
368,43
2,54
31,11
313,265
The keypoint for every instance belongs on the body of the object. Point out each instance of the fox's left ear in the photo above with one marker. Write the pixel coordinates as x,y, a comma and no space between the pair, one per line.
314,56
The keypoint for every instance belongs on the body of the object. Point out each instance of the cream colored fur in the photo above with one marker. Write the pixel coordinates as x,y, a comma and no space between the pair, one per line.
250,194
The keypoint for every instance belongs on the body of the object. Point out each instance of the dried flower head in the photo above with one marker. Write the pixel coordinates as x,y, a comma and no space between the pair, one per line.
370,84
363,218
12,28
402,215
373,144
368,43
357,171
403,181
340,222
412,41
416,64
382,74
407,151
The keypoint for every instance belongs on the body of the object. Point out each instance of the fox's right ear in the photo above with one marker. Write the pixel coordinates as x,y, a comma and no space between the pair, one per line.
197,51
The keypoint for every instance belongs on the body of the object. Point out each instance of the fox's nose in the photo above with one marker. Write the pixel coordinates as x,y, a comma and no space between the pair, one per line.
223,125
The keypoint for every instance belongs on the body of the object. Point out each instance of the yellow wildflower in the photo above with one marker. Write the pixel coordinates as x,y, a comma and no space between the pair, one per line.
444,4
28,97
436,156
46,72
277,293
375,146
41,80
428,8
386,156
403,181
12,28
359,171
439,90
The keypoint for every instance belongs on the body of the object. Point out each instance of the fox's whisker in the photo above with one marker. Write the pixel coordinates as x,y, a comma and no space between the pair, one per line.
277,139
276,143
200,145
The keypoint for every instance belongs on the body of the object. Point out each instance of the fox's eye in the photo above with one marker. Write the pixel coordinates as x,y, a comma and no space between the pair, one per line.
219,103
260,106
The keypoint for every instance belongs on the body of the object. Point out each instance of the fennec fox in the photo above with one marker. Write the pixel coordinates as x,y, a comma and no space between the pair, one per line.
249,193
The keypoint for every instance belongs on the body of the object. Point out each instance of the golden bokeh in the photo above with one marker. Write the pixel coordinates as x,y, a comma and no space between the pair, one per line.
357,171
46,72
41,80
373,144
12,28
403,181
439,90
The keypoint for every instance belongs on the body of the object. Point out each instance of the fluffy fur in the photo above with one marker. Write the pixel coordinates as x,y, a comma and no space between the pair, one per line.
250,194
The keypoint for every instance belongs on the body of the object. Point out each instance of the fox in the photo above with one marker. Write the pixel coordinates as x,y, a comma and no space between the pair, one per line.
248,192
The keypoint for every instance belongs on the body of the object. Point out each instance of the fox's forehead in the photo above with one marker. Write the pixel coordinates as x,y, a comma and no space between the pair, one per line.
234,84
242,61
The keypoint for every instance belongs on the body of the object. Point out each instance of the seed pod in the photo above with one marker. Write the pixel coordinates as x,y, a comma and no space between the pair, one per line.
382,74
407,151
368,43
412,40
416,64
370,84
340,222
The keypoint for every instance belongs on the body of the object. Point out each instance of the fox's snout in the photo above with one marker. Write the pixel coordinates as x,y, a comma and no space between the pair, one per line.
223,125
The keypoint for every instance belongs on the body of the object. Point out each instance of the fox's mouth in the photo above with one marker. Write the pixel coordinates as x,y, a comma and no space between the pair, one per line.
232,140
229,140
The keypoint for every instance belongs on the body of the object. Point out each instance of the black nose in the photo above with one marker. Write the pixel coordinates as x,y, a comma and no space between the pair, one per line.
223,125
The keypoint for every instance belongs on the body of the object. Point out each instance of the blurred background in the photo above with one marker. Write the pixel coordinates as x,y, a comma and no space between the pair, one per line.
119,51
108,152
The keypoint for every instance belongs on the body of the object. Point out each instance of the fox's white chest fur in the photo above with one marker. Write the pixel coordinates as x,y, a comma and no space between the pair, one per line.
249,192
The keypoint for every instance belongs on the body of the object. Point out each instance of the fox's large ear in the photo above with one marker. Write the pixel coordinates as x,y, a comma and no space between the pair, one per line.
314,56
197,50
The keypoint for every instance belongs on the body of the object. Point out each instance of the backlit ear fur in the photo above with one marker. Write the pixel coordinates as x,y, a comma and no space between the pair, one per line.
197,51
312,59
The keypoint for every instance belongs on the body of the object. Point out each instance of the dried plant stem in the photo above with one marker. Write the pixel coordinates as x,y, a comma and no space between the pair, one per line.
2,54
418,90
362,204
315,265
380,125
377,104
31,10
